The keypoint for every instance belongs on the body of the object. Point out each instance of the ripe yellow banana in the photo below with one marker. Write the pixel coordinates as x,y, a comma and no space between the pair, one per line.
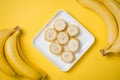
4,76
113,6
27,61
15,60
4,65
118,1
23,78
107,17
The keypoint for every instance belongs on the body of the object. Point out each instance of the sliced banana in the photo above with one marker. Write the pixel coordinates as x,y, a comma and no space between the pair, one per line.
62,38
73,45
67,56
72,30
60,25
50,34
56,48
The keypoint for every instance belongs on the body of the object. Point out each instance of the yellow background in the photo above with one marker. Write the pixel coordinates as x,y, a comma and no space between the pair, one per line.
31,15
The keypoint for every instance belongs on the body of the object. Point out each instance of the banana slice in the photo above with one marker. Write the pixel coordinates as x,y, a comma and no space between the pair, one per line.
72,30
50,34
60,25
56,48
67,56
62,38
73,45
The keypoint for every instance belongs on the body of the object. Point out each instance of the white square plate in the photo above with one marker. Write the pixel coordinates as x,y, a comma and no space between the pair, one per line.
86,40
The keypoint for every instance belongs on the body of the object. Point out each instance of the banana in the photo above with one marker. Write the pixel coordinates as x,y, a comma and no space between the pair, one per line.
63,38
15,60
67,56
50,34
56,48
113,6
107,17
73,45
60,25
27,61
4,76
72,30
118,1
4,65
23,78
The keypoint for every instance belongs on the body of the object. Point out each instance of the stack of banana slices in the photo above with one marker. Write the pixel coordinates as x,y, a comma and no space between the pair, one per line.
109,11
14,65
64,41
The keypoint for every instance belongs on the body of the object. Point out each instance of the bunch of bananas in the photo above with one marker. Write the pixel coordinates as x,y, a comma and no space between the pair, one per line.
14,65
109,11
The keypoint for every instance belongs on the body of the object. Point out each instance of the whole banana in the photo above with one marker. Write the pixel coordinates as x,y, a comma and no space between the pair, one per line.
27,61
114,7
107,17
15,60
4,65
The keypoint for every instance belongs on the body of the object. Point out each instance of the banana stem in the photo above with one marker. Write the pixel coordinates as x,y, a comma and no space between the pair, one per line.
103,52
17,28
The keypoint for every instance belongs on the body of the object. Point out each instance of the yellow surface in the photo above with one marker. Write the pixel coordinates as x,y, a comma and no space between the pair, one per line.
31,15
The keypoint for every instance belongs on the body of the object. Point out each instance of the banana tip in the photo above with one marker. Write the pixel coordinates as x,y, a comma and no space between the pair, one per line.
17,28
103,52
14,74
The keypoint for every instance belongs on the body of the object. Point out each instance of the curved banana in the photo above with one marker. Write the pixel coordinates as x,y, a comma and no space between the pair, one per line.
113,6
4,65
27,61
107,17
15,60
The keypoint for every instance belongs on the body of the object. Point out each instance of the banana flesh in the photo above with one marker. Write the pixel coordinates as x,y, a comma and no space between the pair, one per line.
63,38
60,25
56,48
4,65
113,6
50,34
73,45
72,30
107,17
15,60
